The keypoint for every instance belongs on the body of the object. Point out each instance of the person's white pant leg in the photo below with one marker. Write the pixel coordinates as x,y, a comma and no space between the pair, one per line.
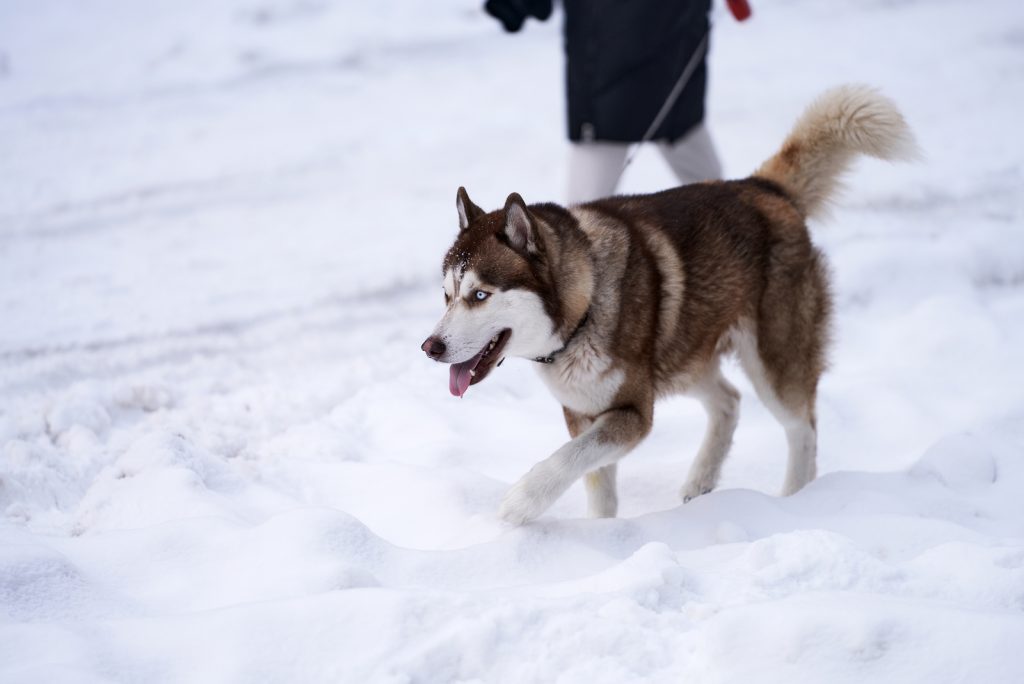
594,169
693,158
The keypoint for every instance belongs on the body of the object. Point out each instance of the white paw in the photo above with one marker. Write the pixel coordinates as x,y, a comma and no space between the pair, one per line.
605,507
521,504
694,488
532,495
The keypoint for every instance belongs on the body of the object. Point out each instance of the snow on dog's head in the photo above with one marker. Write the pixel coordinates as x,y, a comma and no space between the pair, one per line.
498,292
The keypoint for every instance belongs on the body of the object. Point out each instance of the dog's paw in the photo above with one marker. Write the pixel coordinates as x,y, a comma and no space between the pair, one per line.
691,490
520,505
531,496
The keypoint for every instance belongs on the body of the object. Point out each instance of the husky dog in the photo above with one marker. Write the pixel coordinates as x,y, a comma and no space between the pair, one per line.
626,299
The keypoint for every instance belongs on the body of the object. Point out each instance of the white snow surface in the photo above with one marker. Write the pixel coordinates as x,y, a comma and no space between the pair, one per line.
223,457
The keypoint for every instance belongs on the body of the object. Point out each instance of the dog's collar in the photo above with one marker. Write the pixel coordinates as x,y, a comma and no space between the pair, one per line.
550,358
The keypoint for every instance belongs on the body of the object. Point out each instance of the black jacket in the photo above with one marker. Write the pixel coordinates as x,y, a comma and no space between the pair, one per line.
622,59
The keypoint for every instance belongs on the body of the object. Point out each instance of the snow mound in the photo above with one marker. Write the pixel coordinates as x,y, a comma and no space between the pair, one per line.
960,462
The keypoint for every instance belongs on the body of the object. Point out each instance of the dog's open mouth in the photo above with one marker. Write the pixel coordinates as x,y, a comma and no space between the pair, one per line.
476,369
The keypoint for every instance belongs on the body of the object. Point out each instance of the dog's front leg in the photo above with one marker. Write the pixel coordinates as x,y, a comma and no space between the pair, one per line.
609,438
602,499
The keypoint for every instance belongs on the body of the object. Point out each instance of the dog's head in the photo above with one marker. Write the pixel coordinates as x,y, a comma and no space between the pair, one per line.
498,291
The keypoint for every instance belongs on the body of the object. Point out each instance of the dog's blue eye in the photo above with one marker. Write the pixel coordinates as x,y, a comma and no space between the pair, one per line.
481,295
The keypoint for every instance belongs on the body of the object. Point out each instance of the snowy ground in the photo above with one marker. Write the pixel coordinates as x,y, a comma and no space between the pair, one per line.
224,458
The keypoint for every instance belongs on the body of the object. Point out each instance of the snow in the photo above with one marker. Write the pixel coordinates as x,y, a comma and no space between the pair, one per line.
224,458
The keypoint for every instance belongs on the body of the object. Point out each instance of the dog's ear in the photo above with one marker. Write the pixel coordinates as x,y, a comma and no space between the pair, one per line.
520,228
468,212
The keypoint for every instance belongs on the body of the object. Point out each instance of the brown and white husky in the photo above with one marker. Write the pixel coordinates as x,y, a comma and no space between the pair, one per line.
626,299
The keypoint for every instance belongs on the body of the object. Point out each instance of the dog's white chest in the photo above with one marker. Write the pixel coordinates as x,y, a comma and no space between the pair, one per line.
583,380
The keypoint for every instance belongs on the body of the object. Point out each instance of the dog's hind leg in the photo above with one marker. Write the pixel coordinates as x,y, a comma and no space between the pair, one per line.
803,451
792,405
721,402
783,349
602,499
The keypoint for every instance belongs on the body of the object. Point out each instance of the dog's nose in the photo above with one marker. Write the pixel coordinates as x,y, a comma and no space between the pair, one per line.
434,347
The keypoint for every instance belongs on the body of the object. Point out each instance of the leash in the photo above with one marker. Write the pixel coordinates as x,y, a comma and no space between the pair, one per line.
741,11
670,101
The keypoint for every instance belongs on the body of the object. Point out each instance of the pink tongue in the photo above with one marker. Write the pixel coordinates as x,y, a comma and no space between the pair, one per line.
458,381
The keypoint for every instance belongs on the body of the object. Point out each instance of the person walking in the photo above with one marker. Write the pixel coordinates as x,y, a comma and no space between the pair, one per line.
625,60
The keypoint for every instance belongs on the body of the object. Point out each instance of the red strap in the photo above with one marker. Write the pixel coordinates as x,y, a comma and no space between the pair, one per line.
739,8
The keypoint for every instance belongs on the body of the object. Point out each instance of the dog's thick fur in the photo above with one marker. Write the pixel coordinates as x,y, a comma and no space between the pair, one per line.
646,293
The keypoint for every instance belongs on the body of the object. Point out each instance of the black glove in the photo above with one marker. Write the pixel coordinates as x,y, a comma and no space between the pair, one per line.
512,13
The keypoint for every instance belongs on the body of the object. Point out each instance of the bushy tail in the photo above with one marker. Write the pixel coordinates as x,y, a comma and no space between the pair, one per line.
839,125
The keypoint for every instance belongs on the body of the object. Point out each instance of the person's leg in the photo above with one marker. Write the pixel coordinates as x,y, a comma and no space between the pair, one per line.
594,169
693,158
